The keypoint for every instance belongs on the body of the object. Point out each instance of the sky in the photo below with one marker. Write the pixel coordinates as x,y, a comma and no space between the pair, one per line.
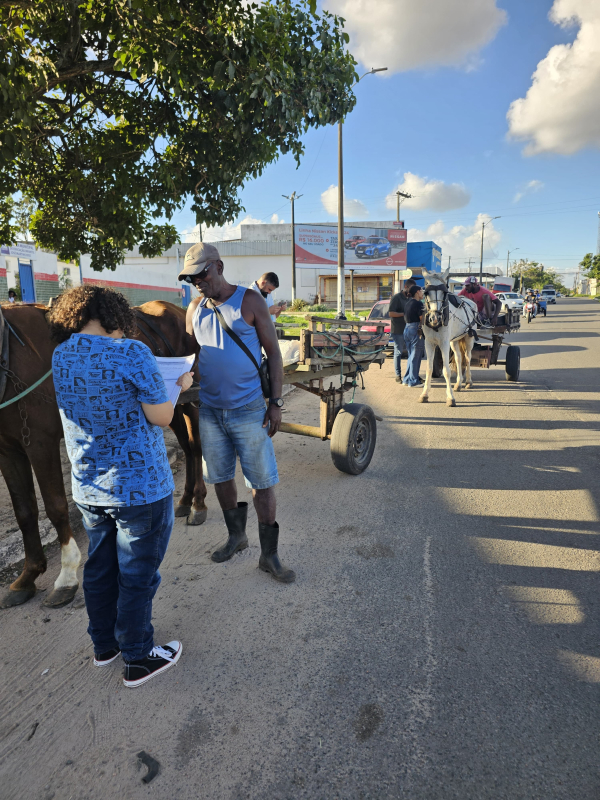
488,108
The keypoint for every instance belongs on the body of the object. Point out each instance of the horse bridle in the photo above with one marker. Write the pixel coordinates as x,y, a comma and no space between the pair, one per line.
437,318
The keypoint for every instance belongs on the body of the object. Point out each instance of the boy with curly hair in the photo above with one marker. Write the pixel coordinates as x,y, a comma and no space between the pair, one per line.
113,403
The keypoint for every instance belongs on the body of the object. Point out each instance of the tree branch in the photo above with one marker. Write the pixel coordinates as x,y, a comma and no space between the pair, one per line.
80,69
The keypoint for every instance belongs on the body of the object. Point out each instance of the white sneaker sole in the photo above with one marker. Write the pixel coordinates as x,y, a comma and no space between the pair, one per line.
105,663
140,681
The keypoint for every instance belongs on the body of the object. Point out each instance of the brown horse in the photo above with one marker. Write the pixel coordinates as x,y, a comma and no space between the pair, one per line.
31,430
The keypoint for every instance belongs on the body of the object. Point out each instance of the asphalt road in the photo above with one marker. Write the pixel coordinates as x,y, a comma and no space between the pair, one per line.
441,640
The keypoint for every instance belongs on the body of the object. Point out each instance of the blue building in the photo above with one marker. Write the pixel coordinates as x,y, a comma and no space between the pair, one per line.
423,255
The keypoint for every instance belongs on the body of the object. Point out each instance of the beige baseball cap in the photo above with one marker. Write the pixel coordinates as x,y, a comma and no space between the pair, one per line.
197,257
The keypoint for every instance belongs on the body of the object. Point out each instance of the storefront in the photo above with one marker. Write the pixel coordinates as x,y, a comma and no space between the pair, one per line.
368,288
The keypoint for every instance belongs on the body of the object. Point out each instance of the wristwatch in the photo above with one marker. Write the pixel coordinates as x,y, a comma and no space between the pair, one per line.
276,401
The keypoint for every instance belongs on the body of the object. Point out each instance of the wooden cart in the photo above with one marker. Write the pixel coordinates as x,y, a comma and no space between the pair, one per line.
486,350
347,353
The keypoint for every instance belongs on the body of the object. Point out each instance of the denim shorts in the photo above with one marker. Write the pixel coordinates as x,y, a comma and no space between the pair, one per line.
227,433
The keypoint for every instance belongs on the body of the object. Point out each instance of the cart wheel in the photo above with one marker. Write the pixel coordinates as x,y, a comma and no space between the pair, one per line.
513,362
353,438
438,364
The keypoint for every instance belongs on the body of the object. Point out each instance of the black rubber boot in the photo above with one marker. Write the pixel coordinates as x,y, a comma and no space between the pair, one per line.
235,519
269,560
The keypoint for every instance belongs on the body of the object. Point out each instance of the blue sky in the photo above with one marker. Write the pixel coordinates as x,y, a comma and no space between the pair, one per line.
447,124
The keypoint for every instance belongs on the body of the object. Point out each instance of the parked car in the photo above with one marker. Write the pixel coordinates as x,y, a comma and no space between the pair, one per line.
549,295
373,247
510,300
351,243
558,294
380,311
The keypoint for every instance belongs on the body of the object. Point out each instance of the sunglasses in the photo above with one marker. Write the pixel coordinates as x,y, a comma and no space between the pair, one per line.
198,275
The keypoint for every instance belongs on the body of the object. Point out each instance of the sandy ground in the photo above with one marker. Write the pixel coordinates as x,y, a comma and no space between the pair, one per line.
441,640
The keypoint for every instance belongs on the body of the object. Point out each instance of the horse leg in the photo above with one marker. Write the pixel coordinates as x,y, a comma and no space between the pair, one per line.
450,401
200,511
430,350
469,342
44,455
17,473
458,364
191,504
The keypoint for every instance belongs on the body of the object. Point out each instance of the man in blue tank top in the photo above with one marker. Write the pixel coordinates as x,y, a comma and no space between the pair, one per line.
233,419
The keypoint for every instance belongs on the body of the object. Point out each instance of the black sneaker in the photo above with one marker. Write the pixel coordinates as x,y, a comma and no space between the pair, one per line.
158,660
102,659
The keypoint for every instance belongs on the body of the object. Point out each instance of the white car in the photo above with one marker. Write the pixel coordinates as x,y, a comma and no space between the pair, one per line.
510,300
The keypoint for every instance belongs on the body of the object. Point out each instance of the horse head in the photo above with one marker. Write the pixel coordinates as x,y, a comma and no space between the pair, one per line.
436,299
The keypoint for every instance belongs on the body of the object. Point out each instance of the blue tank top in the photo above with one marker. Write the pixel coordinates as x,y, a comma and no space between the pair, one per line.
228,379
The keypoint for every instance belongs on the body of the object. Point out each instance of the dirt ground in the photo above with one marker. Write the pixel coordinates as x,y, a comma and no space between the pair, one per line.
440,642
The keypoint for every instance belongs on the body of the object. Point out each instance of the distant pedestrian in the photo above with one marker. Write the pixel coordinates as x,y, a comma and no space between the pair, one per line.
413,317
265,285
113,402
12,296
396,313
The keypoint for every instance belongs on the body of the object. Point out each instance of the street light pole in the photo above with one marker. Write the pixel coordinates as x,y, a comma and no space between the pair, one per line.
483,224
507,257
341,278
293,196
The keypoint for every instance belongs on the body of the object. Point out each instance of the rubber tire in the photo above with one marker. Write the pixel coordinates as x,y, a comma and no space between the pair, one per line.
438,364
352,423
529,317
513,362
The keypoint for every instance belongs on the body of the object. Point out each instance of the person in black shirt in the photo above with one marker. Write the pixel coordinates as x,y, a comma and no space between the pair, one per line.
396,313
413,316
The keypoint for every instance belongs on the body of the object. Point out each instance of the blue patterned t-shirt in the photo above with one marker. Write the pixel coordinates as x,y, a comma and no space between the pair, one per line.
118,458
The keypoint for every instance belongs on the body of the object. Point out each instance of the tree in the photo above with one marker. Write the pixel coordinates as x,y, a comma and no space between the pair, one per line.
533,275
114,113
590,265
22,213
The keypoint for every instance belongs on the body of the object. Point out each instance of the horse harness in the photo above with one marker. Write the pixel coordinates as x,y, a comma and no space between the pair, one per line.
437,319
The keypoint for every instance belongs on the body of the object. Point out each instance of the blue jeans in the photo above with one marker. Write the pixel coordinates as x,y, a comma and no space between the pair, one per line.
225,433
415,347
120,578
398,341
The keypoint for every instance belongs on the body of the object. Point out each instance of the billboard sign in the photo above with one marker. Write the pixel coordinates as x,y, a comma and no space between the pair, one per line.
367,249
20,250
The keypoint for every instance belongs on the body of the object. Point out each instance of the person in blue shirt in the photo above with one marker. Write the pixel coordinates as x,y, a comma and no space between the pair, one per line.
113,403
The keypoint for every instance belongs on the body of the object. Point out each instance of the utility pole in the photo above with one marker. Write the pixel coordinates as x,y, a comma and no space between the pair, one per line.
293,196
483,224
449,257
507,257
399,202
598,242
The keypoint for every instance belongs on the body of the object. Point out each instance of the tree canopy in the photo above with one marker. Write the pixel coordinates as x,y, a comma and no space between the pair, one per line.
536,276
115,113
590,265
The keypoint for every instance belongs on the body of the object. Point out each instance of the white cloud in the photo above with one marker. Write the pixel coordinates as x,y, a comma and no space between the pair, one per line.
461,241
404,34
353,209
276,220
528,188
218,233
435,195
560,112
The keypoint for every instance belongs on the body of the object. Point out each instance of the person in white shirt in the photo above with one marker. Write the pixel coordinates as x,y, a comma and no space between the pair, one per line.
266,284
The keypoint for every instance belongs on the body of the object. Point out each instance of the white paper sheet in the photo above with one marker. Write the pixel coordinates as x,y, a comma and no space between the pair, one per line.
173,368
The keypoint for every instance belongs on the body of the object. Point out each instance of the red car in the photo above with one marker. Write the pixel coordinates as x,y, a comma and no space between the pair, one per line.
380,311
351,243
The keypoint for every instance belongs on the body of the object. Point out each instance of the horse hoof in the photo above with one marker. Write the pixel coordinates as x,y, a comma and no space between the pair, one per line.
457,388
16,597
423,399
60,597
197,517
451,403
182,511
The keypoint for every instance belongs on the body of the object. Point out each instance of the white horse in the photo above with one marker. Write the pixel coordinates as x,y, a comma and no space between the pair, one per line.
447,325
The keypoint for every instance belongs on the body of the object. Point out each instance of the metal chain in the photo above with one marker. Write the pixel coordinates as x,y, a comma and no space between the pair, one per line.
22,406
